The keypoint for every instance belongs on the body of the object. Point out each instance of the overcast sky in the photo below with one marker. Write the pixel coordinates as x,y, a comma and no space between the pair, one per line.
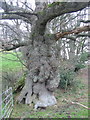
31,2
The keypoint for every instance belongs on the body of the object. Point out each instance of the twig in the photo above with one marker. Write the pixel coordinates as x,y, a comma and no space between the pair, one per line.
27,6
76,103
20,59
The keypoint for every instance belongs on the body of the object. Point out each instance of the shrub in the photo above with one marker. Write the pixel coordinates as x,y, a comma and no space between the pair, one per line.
67,74
81,61
69,69
79,66
84,57
9,78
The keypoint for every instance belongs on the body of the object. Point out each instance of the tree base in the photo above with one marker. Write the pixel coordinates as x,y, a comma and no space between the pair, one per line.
37,94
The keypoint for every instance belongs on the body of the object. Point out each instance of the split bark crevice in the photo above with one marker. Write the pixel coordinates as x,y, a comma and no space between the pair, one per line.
26,91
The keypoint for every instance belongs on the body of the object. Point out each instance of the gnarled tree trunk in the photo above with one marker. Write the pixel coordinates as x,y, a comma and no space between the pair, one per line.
43,76
41,58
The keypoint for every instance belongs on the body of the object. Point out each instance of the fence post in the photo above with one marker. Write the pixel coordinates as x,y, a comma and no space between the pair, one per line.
1,84
0,106
7,101
12,96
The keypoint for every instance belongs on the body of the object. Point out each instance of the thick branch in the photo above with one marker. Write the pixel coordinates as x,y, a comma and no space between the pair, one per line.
75,31
13,16
85,21
83,35
50,38
77,36
22,13
8,8
8,47
25,14
57,9
15,12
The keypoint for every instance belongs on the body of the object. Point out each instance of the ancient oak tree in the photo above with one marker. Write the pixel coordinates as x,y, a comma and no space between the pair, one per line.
42,63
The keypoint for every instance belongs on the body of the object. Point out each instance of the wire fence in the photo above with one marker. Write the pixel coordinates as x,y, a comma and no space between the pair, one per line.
6,103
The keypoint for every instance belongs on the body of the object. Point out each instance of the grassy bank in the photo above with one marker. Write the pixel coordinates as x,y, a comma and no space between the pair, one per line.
77,93
10,68
9,61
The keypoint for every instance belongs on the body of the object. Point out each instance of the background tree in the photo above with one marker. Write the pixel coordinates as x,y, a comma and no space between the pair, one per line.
41,55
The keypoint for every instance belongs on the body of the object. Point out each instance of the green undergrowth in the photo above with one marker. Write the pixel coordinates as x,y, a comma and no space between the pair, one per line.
76,93
9,61
56,3
50,114
10,68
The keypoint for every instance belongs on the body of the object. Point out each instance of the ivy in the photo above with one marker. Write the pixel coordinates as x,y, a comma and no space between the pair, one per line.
54,3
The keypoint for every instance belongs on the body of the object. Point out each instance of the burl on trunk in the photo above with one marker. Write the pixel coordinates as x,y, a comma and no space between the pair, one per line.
43,76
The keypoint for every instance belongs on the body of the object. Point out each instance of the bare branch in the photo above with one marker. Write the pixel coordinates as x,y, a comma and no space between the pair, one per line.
22,13
11,46
83,35
85,21
75,37
75,31
15,12
13,16
3,24
57,9
70,37
27,6
50,38
76,103
8,8
20,59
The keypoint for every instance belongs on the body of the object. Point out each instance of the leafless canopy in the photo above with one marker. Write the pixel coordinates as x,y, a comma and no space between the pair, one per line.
46,14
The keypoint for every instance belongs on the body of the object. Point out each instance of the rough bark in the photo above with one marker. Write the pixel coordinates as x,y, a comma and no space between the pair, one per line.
76,31
43,76
46,98
26,91
40,54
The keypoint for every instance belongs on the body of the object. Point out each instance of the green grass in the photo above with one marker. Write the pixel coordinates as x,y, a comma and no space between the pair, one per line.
76,93
9,61
25,111
9,66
